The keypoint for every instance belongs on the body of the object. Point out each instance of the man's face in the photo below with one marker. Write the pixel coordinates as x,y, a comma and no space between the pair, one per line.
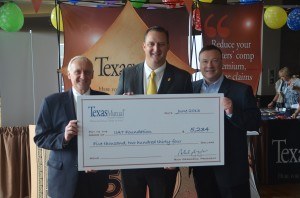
156,48
211,65
81,75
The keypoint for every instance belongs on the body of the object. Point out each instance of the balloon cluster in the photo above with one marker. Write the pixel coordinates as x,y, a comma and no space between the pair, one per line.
276,17
11,17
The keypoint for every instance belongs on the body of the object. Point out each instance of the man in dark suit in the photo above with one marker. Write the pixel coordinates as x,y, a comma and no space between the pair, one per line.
168,80
56,130
242,115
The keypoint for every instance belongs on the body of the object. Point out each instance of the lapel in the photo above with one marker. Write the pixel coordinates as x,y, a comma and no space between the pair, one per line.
225,87
197,86
69,105
166,80
139,78
93,92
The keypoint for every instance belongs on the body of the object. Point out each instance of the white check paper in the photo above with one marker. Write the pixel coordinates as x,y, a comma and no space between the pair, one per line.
140,131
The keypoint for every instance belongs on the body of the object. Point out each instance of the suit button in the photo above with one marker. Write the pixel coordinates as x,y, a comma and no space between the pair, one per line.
76,165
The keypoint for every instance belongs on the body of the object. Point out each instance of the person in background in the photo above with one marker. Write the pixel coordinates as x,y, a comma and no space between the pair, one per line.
275,101
287,87
57,130
168,79
241,115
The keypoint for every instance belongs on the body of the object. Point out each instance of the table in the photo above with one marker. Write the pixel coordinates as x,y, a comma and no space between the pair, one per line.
278,151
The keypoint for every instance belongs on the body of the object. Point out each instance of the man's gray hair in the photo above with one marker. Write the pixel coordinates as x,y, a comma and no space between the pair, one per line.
81,58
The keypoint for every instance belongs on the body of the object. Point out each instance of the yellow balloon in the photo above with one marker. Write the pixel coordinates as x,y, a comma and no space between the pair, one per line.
57,12
206,1
275,17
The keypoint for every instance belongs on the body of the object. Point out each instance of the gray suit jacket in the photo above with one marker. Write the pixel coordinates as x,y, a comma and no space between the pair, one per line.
245,117
56,112
174,80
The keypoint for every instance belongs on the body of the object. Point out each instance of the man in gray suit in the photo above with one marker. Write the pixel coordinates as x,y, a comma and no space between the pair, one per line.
168,80
241,115
56,130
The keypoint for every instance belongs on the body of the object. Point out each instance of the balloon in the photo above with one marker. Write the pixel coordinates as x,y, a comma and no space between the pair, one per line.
56,12
137,3
206,1
293,21
74,1
275,17
11,17
249,1
173,3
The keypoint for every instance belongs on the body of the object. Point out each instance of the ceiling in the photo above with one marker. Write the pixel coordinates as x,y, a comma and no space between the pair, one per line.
28,10
47,5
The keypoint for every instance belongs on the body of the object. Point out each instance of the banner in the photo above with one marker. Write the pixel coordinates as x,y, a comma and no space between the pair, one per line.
236,30
112,39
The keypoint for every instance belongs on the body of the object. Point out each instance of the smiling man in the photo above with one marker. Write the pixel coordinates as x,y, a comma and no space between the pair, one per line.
154,76
241,115
57,130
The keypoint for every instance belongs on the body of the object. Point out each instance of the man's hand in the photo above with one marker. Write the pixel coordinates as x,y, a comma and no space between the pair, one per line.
227,104
90,171
169,168
128,93
71,130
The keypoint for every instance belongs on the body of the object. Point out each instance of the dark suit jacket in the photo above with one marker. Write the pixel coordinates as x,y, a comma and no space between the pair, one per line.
174,80
245,117
56,112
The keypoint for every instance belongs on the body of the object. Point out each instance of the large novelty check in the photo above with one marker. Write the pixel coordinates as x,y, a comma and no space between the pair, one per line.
139,131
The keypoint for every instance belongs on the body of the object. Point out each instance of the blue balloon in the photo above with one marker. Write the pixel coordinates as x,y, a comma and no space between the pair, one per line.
293,21
249,1
73,1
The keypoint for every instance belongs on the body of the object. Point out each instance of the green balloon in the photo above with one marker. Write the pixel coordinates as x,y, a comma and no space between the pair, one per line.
137,3
11,17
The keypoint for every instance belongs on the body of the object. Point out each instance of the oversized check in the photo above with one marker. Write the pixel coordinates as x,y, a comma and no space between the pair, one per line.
143,131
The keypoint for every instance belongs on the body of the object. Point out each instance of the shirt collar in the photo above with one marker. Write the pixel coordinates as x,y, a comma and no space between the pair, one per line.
212,88
217,82
159,71
76,93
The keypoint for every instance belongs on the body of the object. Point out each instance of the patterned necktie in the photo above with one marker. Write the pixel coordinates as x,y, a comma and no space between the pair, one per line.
152,85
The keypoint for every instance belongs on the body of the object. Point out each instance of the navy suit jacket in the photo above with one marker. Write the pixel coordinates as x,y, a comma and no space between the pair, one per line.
245,117
174,80
56,112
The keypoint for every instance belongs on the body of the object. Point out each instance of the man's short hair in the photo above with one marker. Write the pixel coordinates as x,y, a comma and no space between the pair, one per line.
157,29
210,47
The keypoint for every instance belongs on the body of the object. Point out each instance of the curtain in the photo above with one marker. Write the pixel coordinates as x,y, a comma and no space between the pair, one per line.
14,162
